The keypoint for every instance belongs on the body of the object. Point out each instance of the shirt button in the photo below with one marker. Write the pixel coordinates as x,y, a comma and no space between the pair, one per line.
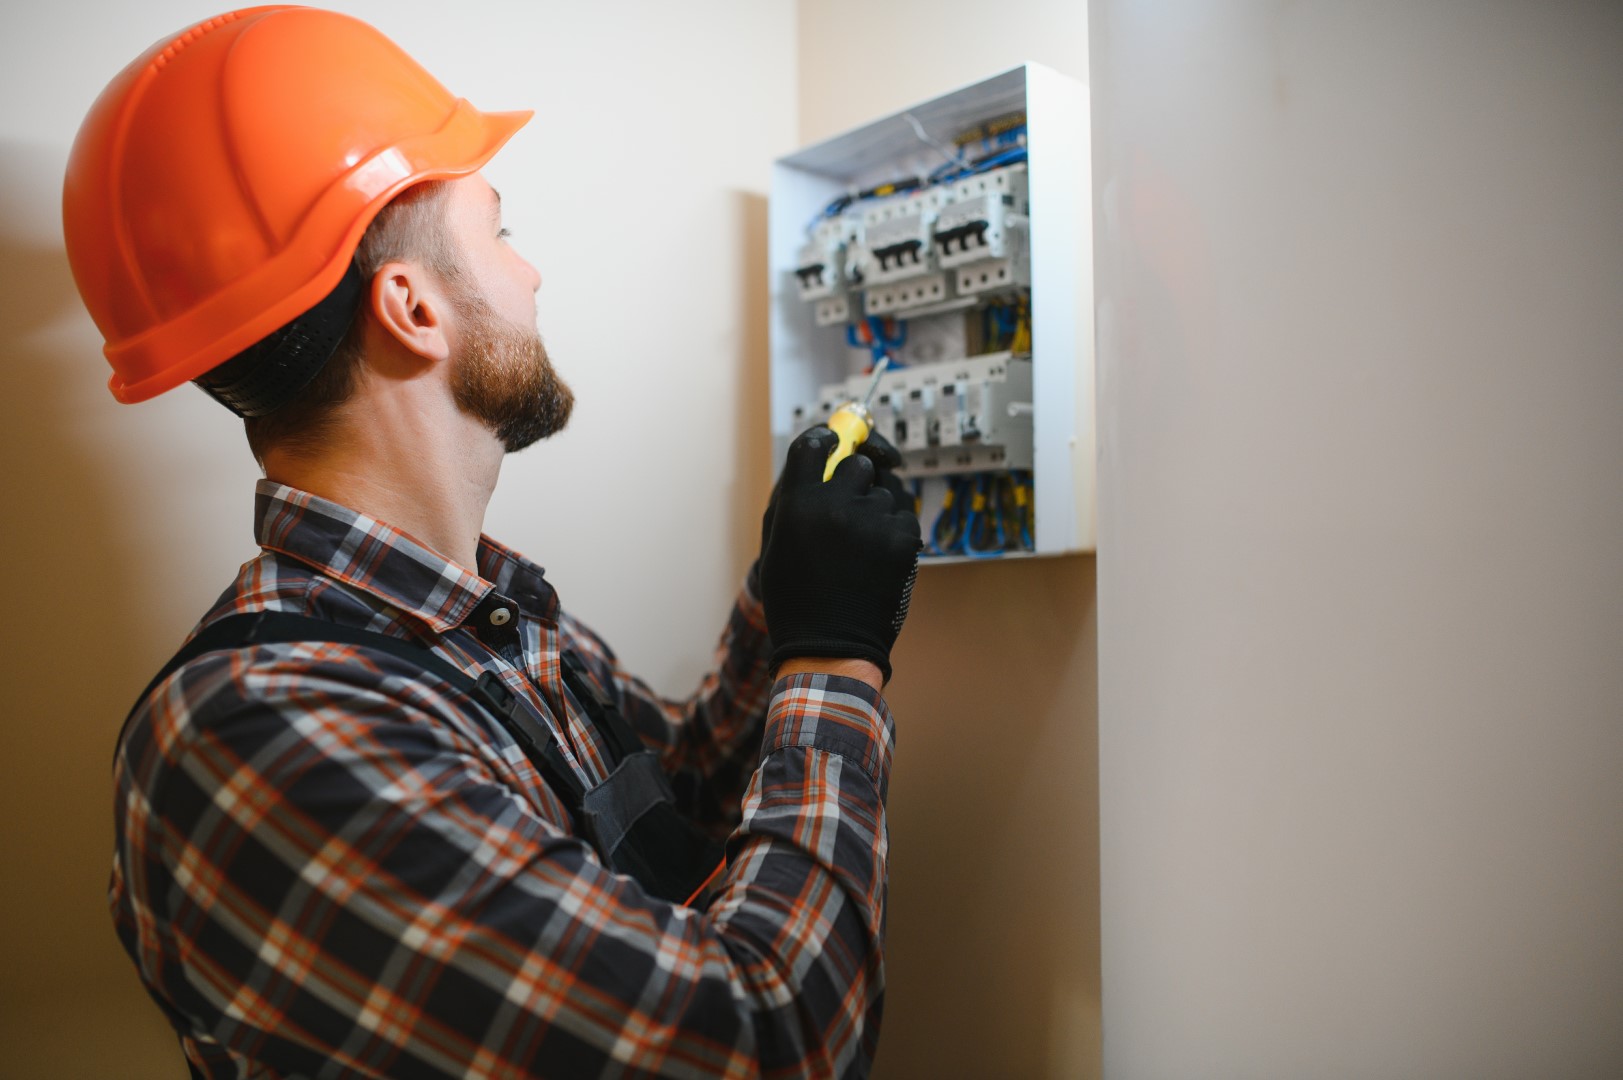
500,616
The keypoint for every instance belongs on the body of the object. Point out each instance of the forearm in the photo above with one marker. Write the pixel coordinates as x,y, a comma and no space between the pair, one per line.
862,670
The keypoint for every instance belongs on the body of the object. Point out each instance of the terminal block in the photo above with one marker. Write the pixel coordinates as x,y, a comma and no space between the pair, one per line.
915,292
995,275
832,310
1009,181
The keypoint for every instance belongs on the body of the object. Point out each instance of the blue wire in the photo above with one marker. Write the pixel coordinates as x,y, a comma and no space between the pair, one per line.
1007,157
1004,138
980,486
1004,319
942,170
951,170
819,216
1023,479
956,510
882,344
958,168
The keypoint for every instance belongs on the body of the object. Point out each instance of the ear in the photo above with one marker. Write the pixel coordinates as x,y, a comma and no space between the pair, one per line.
410,306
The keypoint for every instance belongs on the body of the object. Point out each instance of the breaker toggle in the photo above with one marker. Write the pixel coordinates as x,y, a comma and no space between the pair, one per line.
968,237
908,253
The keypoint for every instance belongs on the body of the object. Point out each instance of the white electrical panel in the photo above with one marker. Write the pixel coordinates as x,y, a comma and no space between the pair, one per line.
954,240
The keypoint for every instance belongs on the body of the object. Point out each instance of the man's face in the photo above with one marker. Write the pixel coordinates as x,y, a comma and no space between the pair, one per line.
500,371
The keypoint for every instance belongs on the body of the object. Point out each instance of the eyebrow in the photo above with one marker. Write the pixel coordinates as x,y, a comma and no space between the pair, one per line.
496,207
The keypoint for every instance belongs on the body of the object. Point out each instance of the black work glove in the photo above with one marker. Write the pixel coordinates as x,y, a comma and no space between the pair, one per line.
886,459
840,557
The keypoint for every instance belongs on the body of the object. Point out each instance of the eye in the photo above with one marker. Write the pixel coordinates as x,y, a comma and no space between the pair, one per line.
504,234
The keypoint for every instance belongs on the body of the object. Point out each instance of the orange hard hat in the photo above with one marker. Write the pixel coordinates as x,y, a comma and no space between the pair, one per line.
219,186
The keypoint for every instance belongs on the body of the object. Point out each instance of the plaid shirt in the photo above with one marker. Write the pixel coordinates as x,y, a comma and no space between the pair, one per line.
329,863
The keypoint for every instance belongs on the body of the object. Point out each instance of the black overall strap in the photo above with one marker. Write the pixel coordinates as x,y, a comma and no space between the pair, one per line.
599,707
630,818
282,627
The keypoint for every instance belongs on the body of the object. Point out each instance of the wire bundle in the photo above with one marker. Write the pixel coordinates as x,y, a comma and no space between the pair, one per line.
879,336
838,206
1006,147
984,515
1002,143
1007,326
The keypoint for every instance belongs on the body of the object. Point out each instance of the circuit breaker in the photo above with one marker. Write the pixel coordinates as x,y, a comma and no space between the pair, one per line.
952,240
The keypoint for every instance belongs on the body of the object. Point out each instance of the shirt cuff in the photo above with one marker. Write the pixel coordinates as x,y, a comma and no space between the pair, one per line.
836,714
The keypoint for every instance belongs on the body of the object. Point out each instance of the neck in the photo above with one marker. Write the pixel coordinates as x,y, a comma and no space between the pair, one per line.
412,464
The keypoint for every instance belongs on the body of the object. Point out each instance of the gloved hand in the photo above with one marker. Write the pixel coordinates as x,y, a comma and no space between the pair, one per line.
840,557
886,459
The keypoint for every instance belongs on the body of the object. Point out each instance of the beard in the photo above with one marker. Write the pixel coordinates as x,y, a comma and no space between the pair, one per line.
501,376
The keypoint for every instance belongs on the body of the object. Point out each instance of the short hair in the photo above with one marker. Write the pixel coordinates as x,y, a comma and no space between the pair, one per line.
413,225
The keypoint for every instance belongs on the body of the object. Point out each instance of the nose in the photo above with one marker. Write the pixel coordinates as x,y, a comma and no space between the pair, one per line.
535,275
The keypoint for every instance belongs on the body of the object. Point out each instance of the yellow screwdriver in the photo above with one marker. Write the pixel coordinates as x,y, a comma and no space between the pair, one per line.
852,422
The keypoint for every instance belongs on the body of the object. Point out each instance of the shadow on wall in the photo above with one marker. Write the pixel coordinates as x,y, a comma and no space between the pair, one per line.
69,665
755,468
993,924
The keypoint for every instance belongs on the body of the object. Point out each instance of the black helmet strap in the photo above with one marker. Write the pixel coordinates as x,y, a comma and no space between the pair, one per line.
266,375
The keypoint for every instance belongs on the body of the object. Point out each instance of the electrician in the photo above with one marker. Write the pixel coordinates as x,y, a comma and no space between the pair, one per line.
393,811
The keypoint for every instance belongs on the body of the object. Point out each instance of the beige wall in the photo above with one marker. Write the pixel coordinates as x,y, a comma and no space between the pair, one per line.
639,192
1361,508
994,914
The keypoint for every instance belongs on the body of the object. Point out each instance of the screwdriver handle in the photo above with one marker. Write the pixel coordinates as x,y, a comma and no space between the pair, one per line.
851,422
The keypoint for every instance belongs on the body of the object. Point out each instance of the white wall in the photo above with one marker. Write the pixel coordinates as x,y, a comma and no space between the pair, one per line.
1361,508
639,192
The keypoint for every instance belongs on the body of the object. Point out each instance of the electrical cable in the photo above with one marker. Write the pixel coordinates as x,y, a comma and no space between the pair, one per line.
1020,341
880,335
949,519
1010,500
979,545
997,160
839,205
1025,506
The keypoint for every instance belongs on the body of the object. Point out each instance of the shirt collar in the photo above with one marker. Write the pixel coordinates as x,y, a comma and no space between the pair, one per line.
376,558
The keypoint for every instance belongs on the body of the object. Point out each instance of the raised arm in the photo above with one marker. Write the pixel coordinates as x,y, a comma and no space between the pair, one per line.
834,602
